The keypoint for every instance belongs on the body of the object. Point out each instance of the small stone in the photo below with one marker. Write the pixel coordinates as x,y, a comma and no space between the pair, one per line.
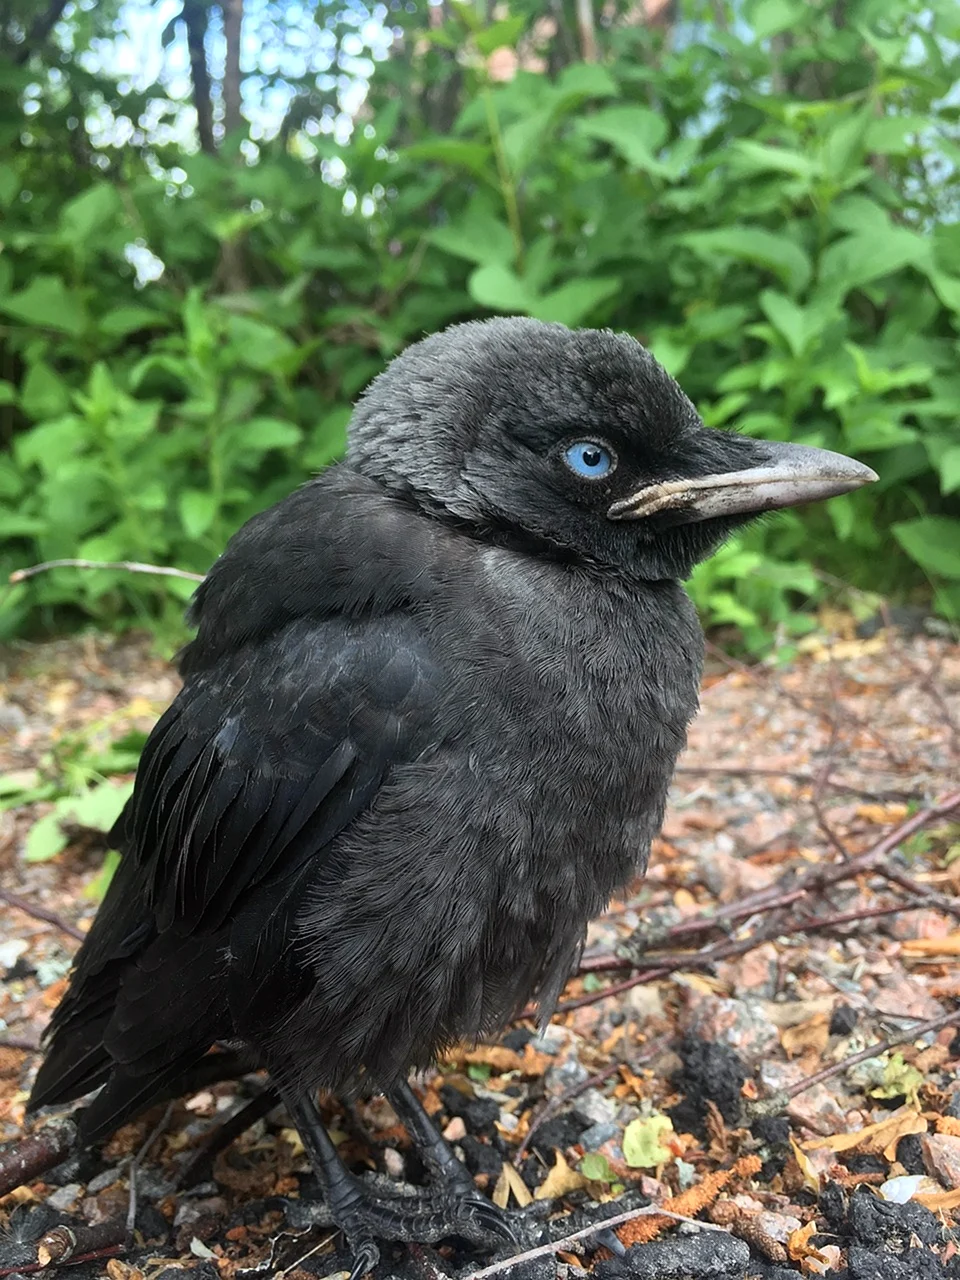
941,1155
455,1130
843,1020
755,974
64,1198
741,1024
597,1107
815,1109
904,997
729,877
394,1163
830,1260
565,1075
593,1138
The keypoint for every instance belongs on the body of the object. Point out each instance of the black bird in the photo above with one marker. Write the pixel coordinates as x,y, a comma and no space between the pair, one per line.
426,730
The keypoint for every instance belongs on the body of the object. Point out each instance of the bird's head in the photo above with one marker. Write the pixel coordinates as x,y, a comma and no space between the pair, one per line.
575,440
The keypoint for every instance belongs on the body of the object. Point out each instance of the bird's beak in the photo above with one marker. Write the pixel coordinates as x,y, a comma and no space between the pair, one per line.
791,475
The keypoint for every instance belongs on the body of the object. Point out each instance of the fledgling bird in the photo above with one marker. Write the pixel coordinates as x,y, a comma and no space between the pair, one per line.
426,729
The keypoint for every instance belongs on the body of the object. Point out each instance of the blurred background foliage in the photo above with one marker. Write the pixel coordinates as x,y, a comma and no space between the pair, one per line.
219,222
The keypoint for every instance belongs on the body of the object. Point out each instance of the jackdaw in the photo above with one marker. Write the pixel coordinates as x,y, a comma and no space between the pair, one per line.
426,730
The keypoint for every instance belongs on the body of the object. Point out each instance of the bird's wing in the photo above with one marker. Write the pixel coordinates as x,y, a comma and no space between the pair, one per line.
263,759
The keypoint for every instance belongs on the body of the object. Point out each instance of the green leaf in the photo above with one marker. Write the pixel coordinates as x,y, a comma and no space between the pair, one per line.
101,882
45,839
9,185
501,34
789,320
500,289
465,155
197,511
49,304
858,259
777,253
595,1167
768,18
642,1146
260,434
748,156
120,321
934,542
587,80
949,468
44,394
477,236
574,301
635,132
87,212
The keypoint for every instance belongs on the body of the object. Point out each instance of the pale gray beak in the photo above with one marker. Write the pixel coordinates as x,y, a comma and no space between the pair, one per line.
792,475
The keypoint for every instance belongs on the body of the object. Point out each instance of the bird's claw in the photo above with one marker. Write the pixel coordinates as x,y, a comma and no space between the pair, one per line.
366,1255
491,1221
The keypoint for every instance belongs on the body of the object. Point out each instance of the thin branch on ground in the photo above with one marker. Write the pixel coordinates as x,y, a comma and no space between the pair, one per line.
41,913
874,1051
648,1211
126,566
26,1158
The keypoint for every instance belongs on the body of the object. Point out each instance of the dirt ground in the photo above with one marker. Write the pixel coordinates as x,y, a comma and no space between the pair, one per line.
801,912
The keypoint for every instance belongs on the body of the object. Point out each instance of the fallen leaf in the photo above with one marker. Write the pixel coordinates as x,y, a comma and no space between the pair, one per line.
810,1035
560,1181
948,946
510,1181
642,1145
900,1081
874,1139
811,1179
945,1200
799,1246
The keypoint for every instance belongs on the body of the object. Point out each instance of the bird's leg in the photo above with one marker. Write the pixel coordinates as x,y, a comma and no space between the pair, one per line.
444,1165
365,1216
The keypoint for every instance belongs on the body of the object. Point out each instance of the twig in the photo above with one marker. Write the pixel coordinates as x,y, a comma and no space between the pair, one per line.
648,1211
874,1051
41,913
555,1105
22,1046
127,566
71,1244
241,1120
26,1158
141,1155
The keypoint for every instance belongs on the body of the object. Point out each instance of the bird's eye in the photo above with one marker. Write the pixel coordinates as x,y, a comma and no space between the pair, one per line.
589,460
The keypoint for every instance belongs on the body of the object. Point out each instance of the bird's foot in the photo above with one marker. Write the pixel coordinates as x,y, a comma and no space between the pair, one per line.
365,1218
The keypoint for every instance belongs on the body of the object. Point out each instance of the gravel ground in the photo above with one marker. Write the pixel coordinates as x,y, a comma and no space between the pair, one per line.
766,944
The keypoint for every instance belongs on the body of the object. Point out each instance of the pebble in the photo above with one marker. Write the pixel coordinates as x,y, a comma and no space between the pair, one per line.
64,1198
741,1024
595,1106
565,1075
594,1137
941,1156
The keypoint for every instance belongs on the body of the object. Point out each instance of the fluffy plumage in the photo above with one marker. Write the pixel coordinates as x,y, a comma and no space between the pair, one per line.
427,728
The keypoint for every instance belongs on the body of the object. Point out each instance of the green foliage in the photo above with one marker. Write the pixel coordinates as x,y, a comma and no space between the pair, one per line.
767,198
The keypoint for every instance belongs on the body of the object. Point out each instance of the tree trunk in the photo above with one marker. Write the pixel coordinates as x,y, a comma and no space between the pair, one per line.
232,32
196,16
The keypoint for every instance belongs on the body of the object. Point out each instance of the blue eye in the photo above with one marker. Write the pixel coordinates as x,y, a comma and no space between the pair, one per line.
589,460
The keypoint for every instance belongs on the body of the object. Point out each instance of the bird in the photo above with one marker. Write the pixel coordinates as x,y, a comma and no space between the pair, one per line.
426,728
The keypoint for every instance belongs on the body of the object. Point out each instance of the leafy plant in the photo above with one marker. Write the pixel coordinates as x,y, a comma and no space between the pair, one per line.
766,194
